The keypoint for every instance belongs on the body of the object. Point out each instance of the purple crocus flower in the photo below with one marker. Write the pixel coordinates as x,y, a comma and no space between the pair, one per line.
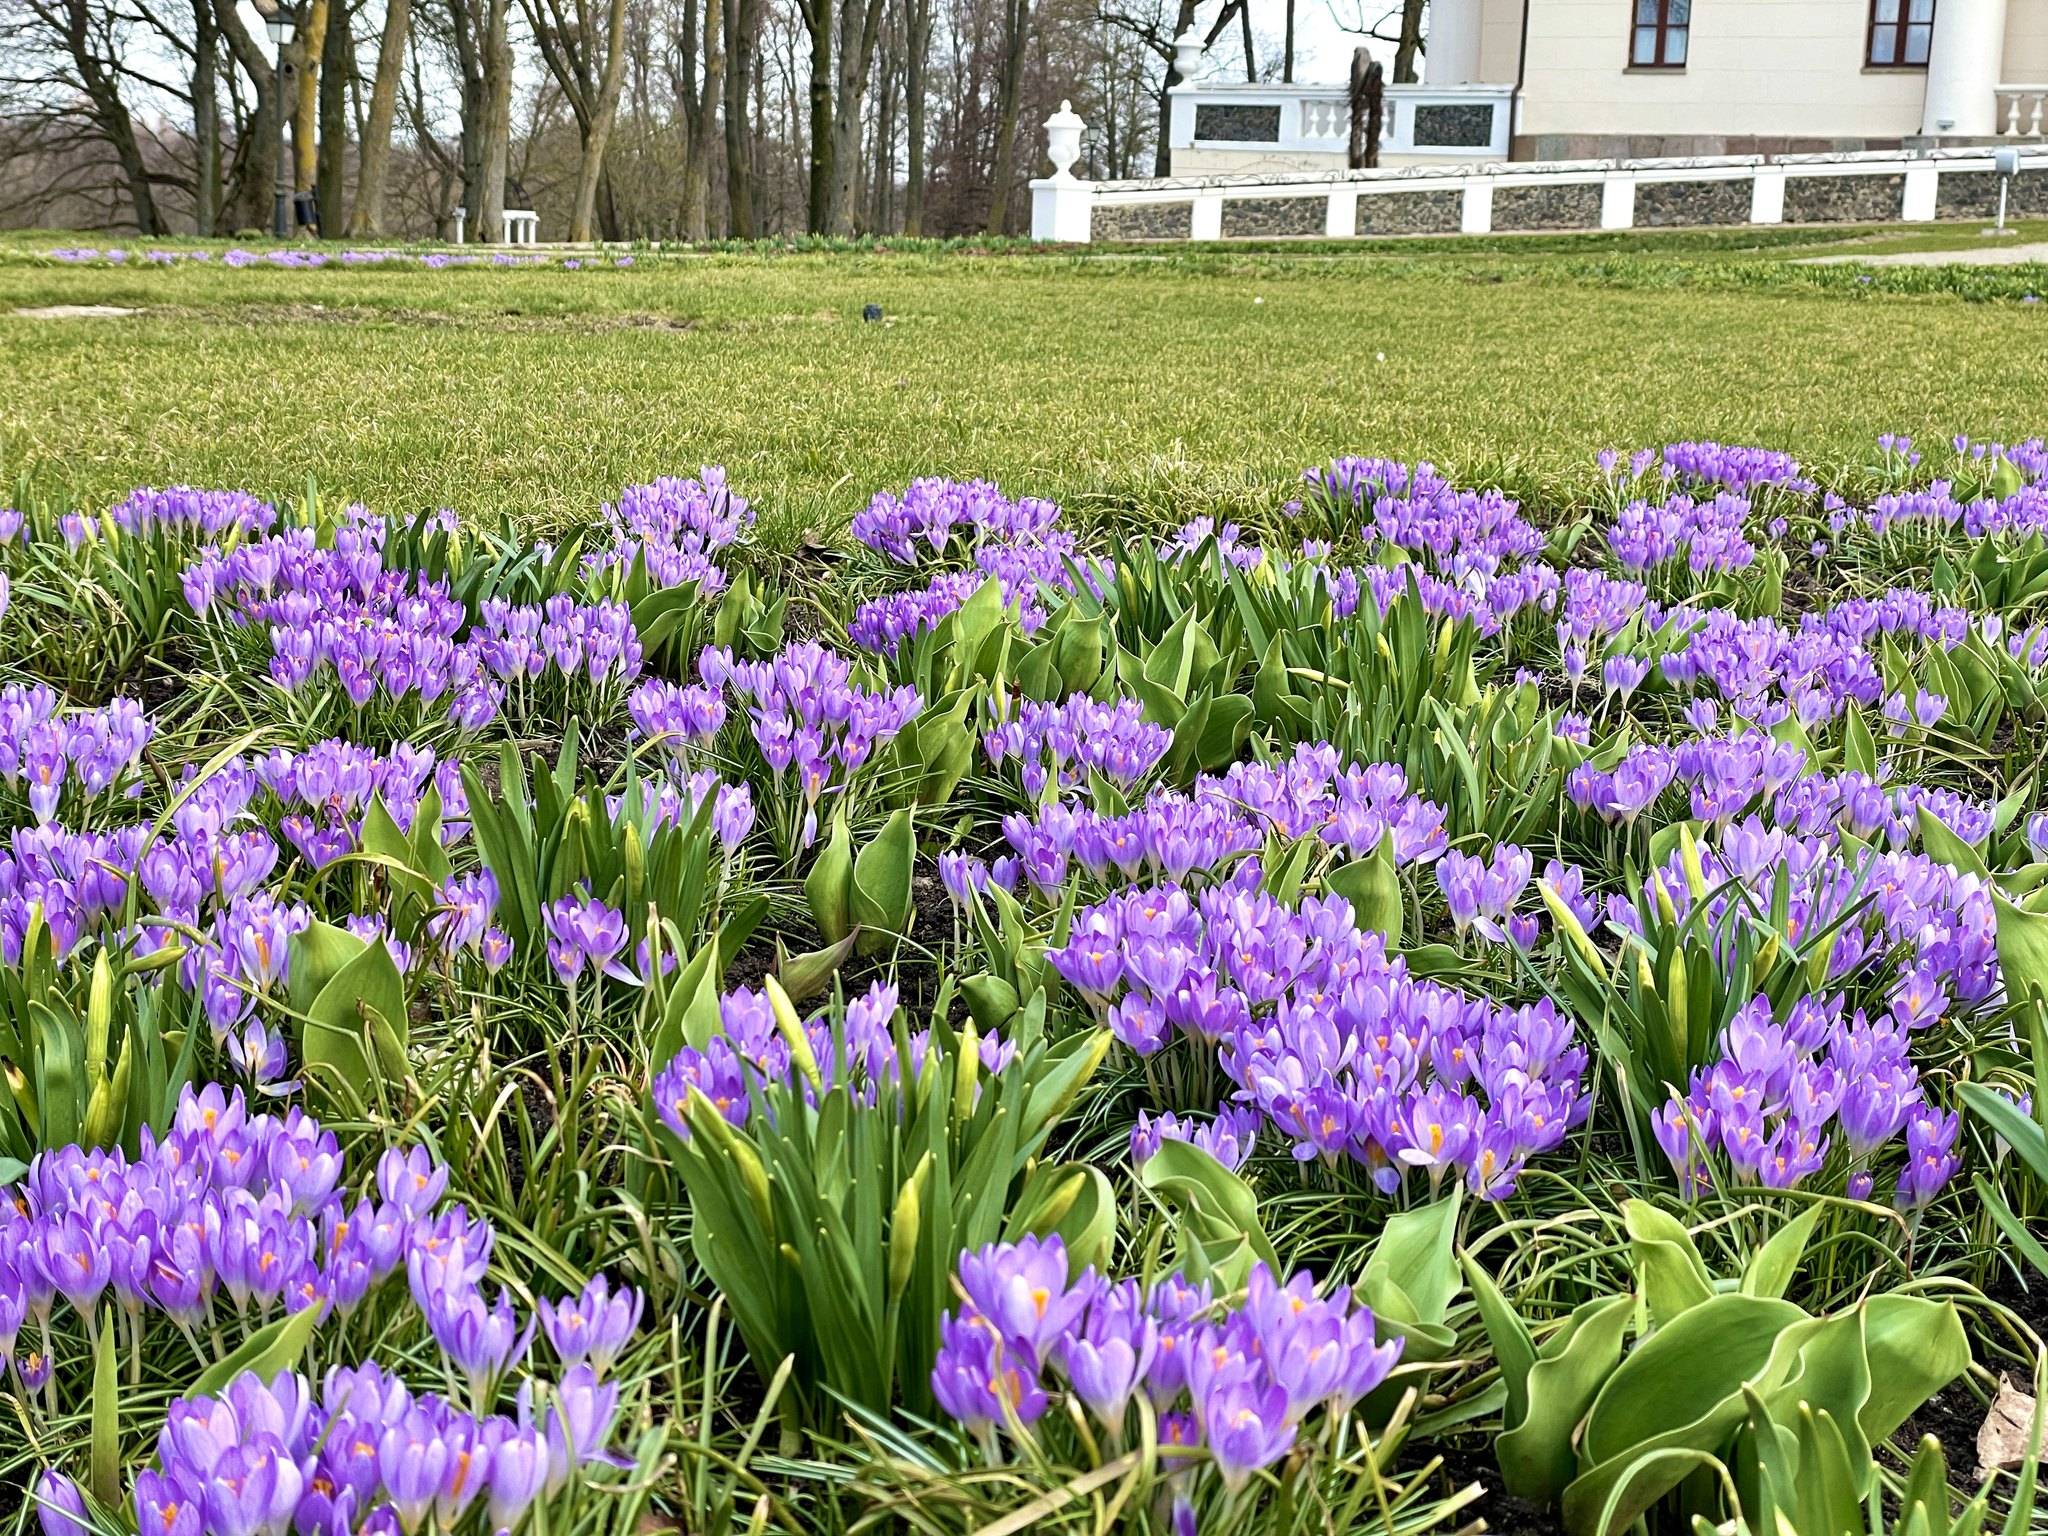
60,1507
594,1326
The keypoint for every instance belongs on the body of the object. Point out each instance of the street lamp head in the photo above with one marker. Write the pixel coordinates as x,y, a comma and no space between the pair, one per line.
280,23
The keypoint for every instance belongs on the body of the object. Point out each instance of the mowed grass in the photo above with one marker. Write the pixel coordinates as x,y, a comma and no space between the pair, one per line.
1144,387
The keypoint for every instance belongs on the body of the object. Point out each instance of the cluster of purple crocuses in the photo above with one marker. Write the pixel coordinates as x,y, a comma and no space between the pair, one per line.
932,515
48,756
234,1218
305,258
359,1454
808,714
1784,1094
1061,744
1224,819
1233,1385
1456,532
1336,1044
975,534
674,528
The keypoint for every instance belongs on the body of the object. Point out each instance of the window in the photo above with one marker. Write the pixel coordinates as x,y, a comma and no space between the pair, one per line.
1900,31
1658,38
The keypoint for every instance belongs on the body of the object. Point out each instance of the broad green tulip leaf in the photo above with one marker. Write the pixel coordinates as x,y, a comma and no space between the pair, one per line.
2017,1130
1686,1378
1075,1202
1218,1215
1772,1267
1673,1276
828,888
1373,888
1535,1455
365,999
882,874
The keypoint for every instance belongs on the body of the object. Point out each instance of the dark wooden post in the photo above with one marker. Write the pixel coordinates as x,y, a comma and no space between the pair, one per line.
1368,97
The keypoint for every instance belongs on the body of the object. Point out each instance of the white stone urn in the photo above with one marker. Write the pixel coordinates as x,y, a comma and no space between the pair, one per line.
1187,53
1063,141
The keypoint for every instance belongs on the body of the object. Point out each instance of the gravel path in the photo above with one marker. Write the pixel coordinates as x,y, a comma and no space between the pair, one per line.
1990,254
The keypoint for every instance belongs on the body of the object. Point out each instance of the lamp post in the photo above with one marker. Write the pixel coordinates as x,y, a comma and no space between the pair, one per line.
280,23
1091,145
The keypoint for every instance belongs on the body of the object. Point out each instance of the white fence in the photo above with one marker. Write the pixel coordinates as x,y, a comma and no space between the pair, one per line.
1874,187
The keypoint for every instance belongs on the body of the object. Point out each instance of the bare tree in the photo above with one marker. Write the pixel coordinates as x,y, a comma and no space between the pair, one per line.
1016,39
366,217
1399,23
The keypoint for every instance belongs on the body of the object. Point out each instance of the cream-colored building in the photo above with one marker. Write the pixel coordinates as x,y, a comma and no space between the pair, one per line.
1592,79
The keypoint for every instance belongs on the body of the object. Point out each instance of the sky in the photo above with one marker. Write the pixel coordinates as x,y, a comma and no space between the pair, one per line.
1322,46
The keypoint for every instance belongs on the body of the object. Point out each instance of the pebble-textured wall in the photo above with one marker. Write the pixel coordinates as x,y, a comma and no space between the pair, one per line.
1141,221
1454,127
1264,217
1573,205
1245,124
1843,199
1660,204
1974,195
1411,213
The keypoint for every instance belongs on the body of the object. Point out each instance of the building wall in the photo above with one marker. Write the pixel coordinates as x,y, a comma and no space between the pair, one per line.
1756,69
2026,43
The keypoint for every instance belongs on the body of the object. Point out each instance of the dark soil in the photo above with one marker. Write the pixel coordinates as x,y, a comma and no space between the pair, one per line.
2006,1287
1953,1416
1468,1459
750,965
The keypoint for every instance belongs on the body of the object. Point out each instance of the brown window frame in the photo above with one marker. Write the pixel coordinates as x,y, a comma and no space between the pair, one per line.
1901,27
1663,29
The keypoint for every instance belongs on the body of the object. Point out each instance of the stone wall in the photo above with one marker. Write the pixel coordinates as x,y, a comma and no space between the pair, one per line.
1142,221
1411,213
1843,199
1661,204
1454,127
1246,124
1267,217
1974,195
1569,205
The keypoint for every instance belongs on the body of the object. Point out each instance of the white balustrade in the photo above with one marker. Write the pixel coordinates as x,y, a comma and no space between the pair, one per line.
1323,118
1316,120
2021,110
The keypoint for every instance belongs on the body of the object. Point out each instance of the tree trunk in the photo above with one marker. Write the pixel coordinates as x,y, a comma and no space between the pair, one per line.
917,50
860,28
256,135
1251,59
205,118
818,18
110,112
703,125
305,56
1009,101
495,157
742,22
330,180
367,216
1410,43
598,135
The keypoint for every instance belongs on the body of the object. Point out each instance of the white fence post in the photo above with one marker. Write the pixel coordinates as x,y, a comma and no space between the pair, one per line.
1767,196
1618,200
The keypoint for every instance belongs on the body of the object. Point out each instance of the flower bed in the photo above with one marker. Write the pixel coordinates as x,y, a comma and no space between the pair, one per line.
1201,1034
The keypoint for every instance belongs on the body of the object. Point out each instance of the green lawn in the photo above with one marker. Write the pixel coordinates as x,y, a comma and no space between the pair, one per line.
1159,383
